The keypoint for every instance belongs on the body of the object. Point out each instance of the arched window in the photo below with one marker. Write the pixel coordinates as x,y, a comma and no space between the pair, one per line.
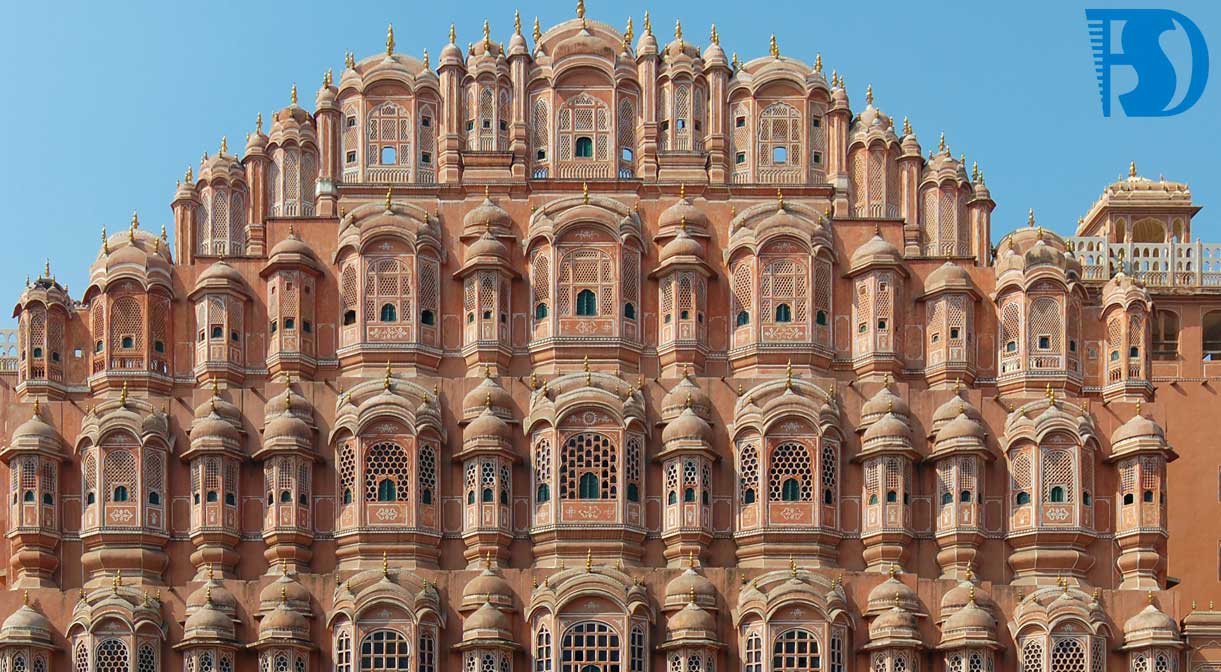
111,655
1068,655
540,311
779,135
543,493
383,651
752,658
784,313
386,491
542,650
947,498
1022,499
795,651
120,493
585,147
343,652
587,303
743,318
388,313
590,646
590,488
791,462
790,490
1212,336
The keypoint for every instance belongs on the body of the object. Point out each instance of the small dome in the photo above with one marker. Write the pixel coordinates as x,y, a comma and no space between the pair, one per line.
208,620
961,427
282,623
885,402
291,245
214,427
1138,427
487,246
876,251
888,427
486,215
487,425
687,426
25,622
288,426
284,589
891,591
957,597
584,43
970,617
683,587
35,428
951,409
1151,621
223,408
212,590
692,617
487,617
219,271
477,399
682,245
682,213
675,401
487,586
894,619
948,277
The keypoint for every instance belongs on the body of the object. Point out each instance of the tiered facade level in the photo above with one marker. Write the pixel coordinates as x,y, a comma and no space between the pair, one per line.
594,354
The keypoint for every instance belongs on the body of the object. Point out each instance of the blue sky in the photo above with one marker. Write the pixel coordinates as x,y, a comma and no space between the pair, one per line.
110,101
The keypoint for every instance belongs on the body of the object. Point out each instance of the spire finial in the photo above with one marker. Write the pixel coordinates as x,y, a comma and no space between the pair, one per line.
585,193
1051,396
971,595
190,176
538,32
1132,169
349,60
385,564
123,395
25,598
329,78
869,94
792,566
894,569
974,171
678,30
389,193
516,22
779,198
389,39
487,35
105,241
628,34
715,37
682,191
1138,407
907,126
589,560
386,380
1030,217
958,385
115,583
580,9
37,407
818,62
691,554
941,143
648,23
453,35
585,365
772,48
788,375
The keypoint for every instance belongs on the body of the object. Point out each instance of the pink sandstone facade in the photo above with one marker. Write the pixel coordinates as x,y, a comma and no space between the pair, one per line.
596,354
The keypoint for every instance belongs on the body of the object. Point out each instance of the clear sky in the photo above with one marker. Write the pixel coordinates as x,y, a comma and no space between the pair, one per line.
110,101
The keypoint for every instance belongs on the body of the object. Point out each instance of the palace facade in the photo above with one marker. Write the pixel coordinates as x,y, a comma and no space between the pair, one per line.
597,352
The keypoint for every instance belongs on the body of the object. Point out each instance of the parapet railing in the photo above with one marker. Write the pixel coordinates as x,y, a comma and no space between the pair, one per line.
1173,264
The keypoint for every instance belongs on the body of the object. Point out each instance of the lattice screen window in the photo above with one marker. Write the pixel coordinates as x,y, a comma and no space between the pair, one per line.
540,136
481,120
1069,655
387,473
542,471
740,136
1044,329
590,644
426,142
626,133
634,458
111,655
146,658
876,178
1114,340
1136,335
347,473
586,269
1010,328
631,283
1031,659
80,658
779,136
589,467
784,291
680,117
1058,475
119,476
791,473
829,473
389,135
126,325
748,472
430,290
743,294
351,135
428,474
154,477
583,130
1020,476
388,290
822,301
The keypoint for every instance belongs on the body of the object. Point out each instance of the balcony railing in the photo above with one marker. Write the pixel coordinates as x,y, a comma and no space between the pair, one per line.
1173,264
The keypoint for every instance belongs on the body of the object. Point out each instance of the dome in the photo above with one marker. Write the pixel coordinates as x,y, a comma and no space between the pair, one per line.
487,425
692,617
884,402
948,277
895,618
214,427
477,399
682,245
675,401
951,409
682,213
690,583
1138,427
961,427
220,598
957,597
970,617
1150,621
288,426
207,620
687,426
487,586
219,271
284,590
892,590
35,428
291,245
282,623
487,246
223,408
888,427
875,252
584,43
25,623
487,617
486,215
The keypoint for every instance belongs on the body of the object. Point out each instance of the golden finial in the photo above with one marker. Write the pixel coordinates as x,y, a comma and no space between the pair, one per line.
818,62
772,48
792,566
390,39
349,60
516,22
970,574
894,569
628,33
869,94
487,36
115,583
25,598
426,65
585,193
907,126
1138,406
589,560
585,366
1193,605
1030,217
682,191
1132,169
105,242
971,596
385,564
941,143
788,375
329,78
648,23
37,407
974,171
678,30
691,595
123,395
1051,396
690,554
580,9
734,62
716,38
688,400
538,32
389,193
533,380
779,199
386,380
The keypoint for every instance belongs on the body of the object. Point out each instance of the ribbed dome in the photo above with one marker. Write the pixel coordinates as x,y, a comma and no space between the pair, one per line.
291,245
687,426
886,594
282,589
283,622
888,427
486,215
487,586
487,617
1151,621
690,583
219,271
961,427
208,621
475,400
952,408
288,426
487,246
487,425
895,618
23,622
884,402
874,252
213,426
1138,426
692,617
682,245
970,617
676,399
682,213
34,428
949,277
584,43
